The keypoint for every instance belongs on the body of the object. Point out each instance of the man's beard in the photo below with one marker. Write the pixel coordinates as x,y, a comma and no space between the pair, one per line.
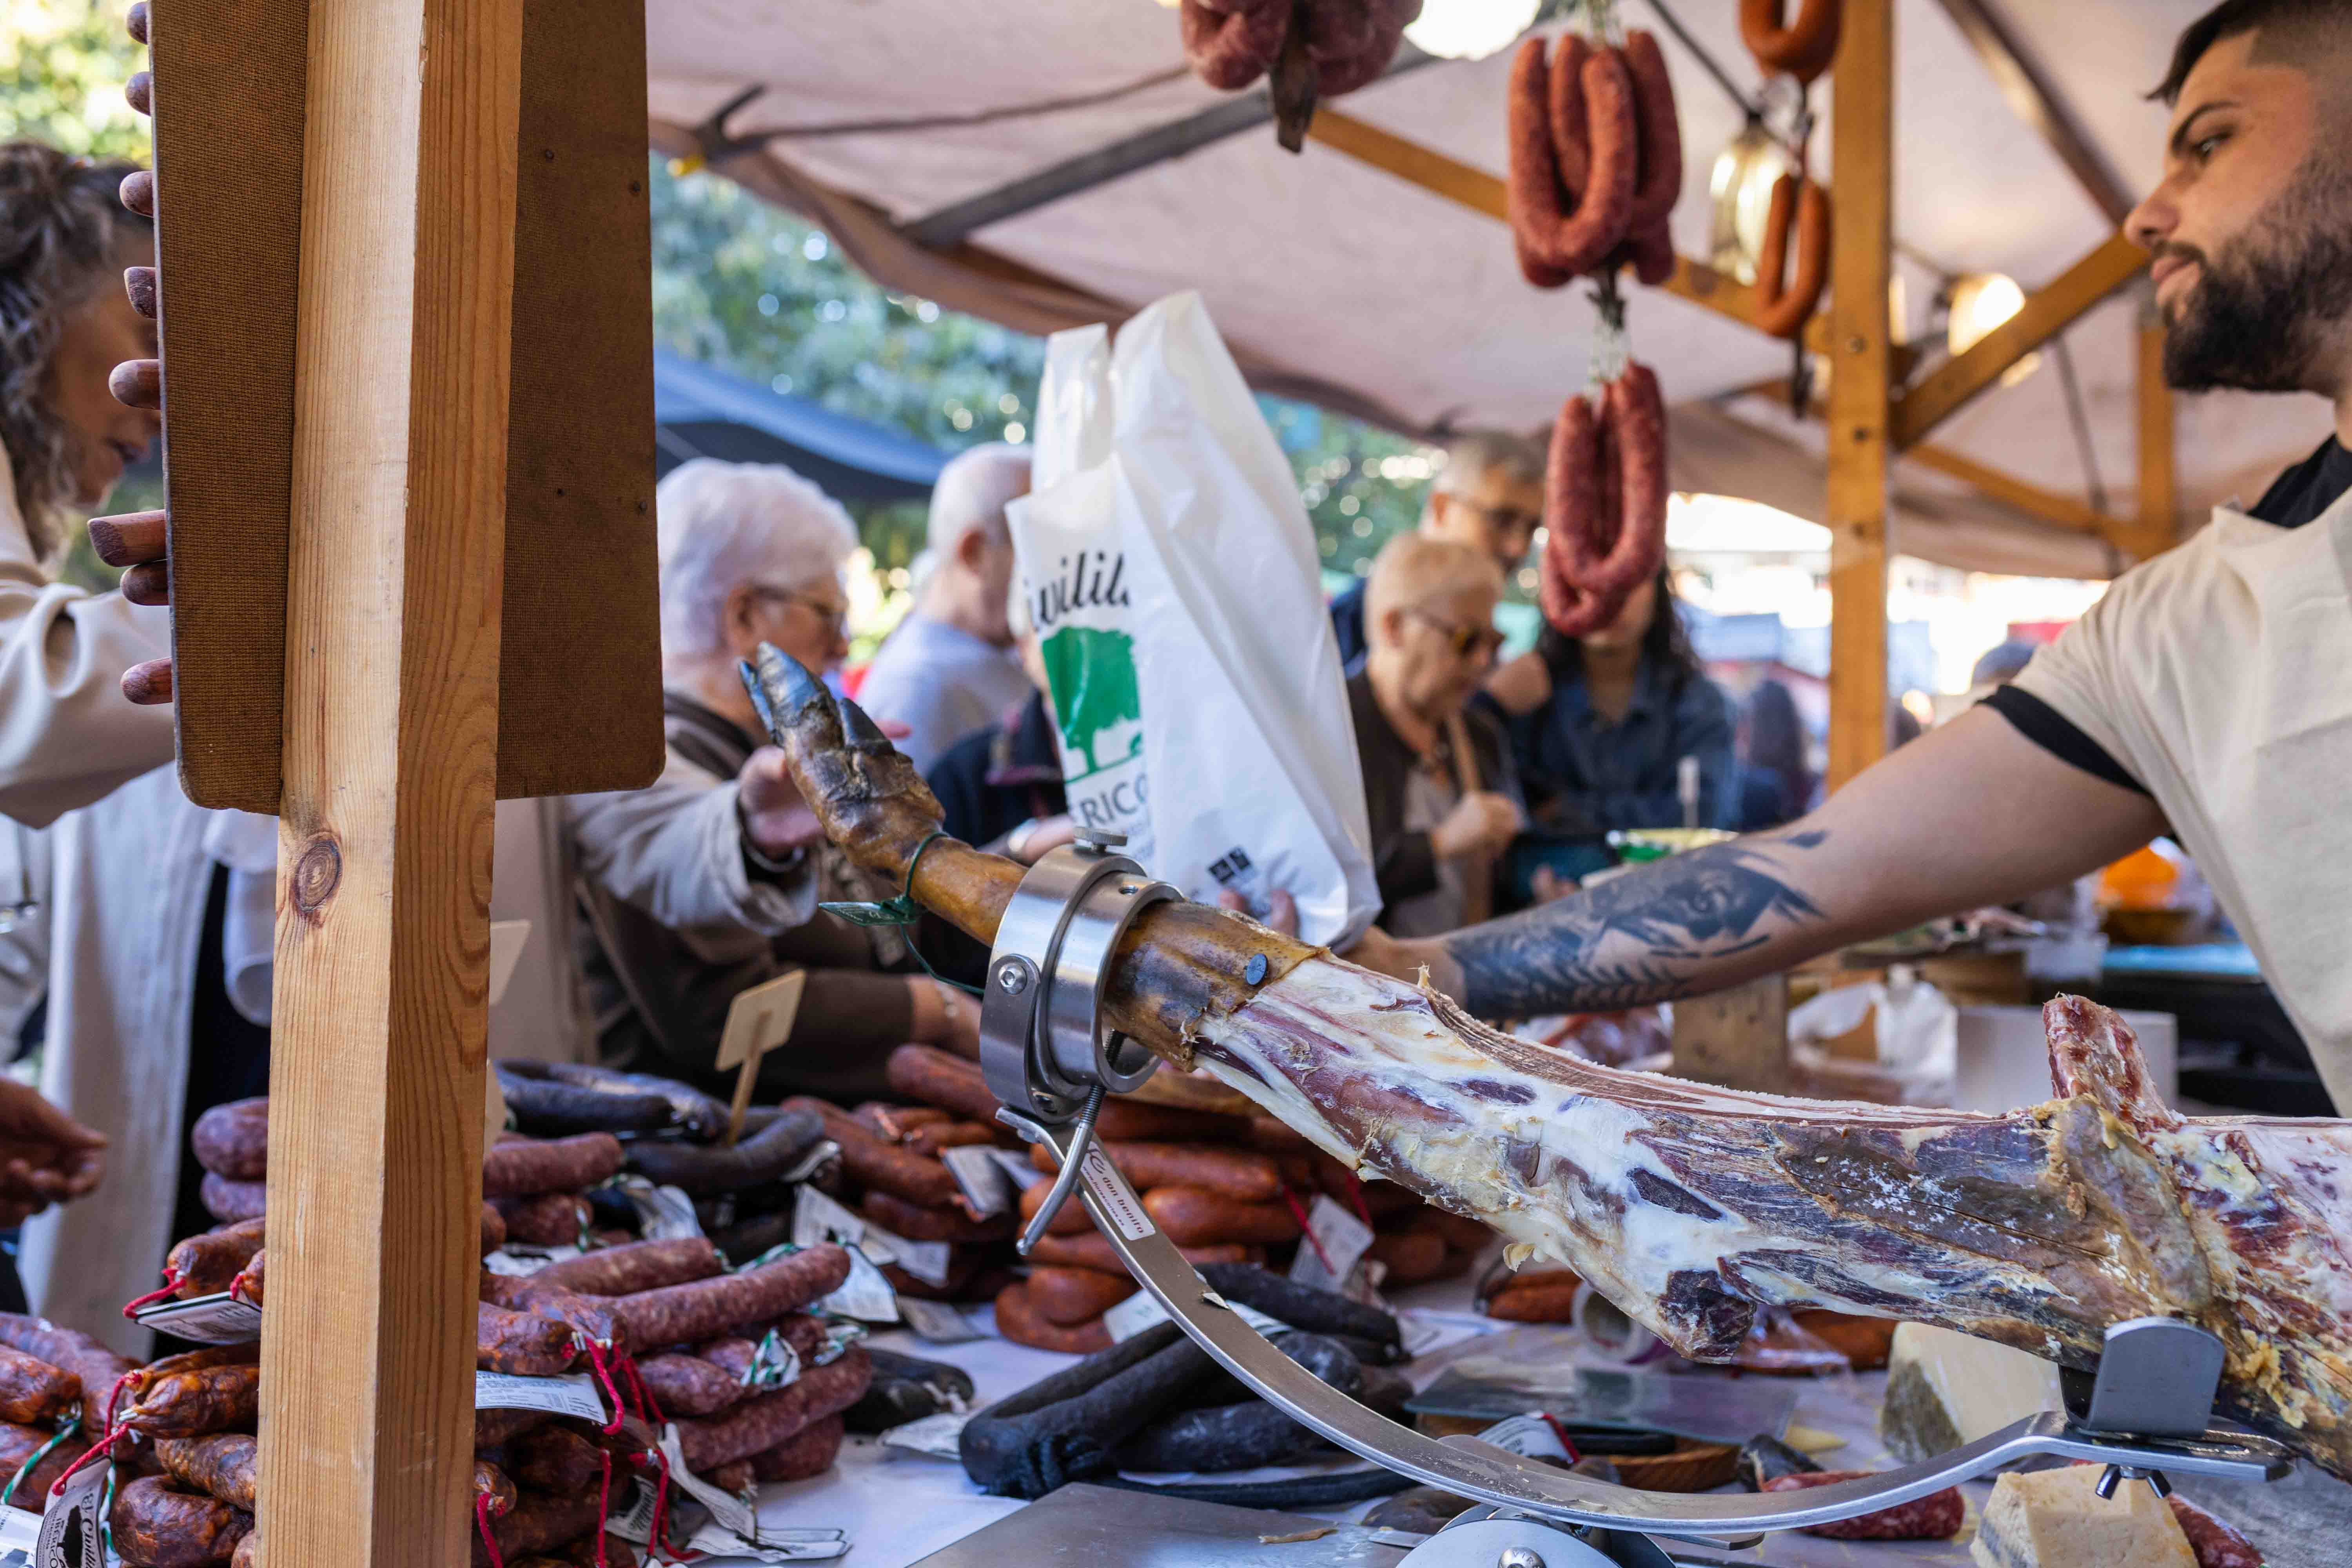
2258,315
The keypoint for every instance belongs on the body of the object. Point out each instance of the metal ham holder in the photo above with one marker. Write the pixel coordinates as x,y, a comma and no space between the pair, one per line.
1047,1055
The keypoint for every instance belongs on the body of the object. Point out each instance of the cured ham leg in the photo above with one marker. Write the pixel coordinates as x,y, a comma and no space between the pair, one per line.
1689,1206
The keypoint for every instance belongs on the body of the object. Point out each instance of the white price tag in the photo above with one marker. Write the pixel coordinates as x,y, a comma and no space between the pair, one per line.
663,1214
1335,1240
817,1218
925,1260
516,1259
773,1545
220,1320
1140,1310
69,1526
1530,1437
1423,1330
20,1537
737,1516
634,1522
934,1434
1017,1169
1117,1199
980,1178
573,1395
936,1322
866,1295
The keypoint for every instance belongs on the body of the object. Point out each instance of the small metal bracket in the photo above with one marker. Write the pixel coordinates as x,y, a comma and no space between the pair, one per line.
2156,1378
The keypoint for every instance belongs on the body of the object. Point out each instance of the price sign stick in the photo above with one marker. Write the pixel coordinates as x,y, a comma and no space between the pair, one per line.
758,1021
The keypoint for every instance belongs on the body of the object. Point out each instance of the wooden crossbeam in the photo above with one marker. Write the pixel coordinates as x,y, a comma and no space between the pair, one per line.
2048,311
2043,505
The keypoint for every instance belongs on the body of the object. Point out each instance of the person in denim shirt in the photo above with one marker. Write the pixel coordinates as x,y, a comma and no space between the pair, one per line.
1598,724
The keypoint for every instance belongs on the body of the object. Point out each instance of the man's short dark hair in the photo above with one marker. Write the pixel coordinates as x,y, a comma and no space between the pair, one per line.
2232,18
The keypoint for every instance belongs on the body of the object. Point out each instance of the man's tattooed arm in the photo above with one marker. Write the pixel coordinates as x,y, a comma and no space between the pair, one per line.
1690,923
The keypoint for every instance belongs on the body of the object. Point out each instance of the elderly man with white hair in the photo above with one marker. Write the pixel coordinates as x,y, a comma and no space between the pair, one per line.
949,669
750,554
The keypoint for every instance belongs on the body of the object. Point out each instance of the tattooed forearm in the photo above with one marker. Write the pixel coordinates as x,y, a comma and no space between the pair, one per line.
1664,930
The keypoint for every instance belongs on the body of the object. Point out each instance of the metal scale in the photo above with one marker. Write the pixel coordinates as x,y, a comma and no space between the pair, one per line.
1047,1055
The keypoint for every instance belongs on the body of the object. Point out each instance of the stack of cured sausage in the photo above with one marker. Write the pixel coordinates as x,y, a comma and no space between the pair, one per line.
57,1392
1347,43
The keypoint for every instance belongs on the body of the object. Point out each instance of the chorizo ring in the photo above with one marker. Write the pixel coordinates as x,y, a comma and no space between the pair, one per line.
155,1525
207,1264
1781,307
1803,48
933,1077
1573,503
1245,1174
32,1389
1542,102
709,1308
637,1265
1068,1297
226,1466
1659,181
1230,43
796,1458
1018,1319
1194,1216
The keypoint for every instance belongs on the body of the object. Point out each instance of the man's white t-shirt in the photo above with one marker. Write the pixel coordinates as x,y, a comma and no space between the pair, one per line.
2220,676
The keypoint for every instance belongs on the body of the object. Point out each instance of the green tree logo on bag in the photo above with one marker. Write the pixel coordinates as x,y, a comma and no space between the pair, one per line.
1092,674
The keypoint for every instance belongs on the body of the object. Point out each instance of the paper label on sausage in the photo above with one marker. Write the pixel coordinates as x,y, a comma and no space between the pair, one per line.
69,1526
817,1218
572,1394
738,1517
925,1260
219,1320
936,1322
20,1537
980,1178
1140,1310
663,1214
634,1522
1017,1169
773,1545
938,1436
1335,1240
517,1258
866,1295
775,1364
1117,1199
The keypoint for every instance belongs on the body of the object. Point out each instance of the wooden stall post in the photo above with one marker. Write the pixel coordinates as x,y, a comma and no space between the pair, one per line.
1862,160
2157,523
390,762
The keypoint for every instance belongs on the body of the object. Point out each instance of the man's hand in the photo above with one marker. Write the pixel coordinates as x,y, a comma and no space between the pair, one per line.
46,1156
1404,959
1029,842
1281,909
775,819
1480,823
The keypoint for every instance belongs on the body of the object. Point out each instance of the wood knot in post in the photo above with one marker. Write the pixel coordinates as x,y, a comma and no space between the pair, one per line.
316,872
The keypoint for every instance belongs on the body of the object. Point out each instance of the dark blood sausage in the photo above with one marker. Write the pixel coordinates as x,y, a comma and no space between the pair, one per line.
1093,1250
68,1350
32,1390
1782,306
874,1162
934,1077
19,1444
1223,1437
1068,1427
700,1170
554,1458
1193,1216
1230,44
521,1342
1018,1319
689,1385
1069,1296
197,1403
1936,1517
540,1521
592,1316
1070,1219
223,1467
765,1420
1659,173
546,1219
1243,1174
917,1222
708,1309
1803,48
639,1266
2216,1545
559,1165
544,1106
811,1452
1302,1307
749,1238
702,1117
233,1140
156,1525
230,1201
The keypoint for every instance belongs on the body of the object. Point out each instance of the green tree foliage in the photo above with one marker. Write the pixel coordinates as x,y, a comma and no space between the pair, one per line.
62,66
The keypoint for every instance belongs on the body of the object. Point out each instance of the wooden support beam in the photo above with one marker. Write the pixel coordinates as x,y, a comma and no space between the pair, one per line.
2034,101
2157,523
2048,311
1862,259
390,762
2044,505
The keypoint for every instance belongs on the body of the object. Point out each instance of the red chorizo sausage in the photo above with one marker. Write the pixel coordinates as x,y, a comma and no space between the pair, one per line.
919,1222
1534,1303
1141,1121
1412,1255
1781,306
1093,1250
521,1342
207,1264
796,1458
1650,252
1936,1517
1017,1320
197,1403
554,1458
32,1390
2217,1545
1351,43
491,1482
708,1309
225,1465
539,1522
547,1219
1242,1173
1230,43
873,1161
19,1444
1592,193
1637,440
1193,1216
1531,194
156,1525
1803,48
68,1350
947,1134
637,1265
1573,499
1461,1233
1069,1296
592,1316
895,1121
1659,180
810,1339
492,1427
232,1202
765,1420
527,1166
233,1140
248,1551
1070,1219
685,1384
935,1077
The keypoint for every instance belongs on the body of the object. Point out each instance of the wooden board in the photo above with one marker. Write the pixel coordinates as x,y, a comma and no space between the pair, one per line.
580,681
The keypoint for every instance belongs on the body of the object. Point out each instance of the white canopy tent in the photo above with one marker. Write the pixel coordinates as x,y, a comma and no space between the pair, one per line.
1334,278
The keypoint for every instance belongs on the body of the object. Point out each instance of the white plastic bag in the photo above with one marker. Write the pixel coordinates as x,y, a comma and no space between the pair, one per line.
1248,775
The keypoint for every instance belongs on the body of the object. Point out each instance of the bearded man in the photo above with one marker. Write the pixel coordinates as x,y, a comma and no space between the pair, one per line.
2209,695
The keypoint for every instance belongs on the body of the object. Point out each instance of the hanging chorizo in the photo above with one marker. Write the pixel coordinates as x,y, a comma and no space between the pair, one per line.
1605,503
1230,43
1783,304
1659,165
1573,144
1803,48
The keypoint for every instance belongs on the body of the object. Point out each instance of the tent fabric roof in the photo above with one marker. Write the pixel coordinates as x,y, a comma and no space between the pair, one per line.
703,411
1336,280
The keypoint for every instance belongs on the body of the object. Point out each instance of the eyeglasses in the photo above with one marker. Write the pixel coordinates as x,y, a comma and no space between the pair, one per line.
1518,520
830,614
1464,641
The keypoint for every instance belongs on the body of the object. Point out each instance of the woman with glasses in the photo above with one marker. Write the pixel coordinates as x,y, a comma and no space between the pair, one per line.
1438,785
1600,724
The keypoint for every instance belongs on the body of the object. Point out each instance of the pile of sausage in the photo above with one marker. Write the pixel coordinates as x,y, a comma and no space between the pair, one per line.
1228,1190
52,1379
1231,43
1596,159
1605,490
